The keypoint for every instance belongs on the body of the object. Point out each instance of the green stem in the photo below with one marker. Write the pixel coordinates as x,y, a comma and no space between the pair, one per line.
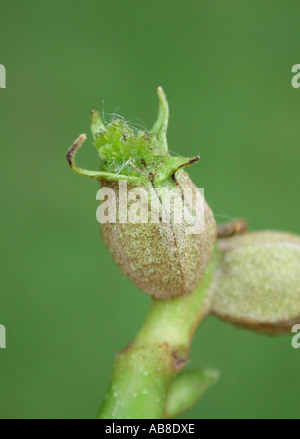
145,370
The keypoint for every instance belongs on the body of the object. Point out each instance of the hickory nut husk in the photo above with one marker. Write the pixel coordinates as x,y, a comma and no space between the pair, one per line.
258,282
162,257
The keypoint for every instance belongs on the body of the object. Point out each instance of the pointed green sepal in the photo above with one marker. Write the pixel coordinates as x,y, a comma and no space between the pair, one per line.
187,388
98,175
161,125
170,166
97,124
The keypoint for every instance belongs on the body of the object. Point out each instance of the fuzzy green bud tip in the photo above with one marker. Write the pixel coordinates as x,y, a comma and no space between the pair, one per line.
127,154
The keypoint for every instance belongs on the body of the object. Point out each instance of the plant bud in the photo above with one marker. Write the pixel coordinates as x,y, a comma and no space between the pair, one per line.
258,282
158,251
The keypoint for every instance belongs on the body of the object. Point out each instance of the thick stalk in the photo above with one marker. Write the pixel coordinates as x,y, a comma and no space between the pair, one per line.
144,372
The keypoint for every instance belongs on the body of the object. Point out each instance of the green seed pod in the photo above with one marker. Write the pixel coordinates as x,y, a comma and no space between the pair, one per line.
160,255
258,282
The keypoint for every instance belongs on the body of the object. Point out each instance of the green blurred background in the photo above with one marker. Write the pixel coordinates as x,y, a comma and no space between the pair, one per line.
226,69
